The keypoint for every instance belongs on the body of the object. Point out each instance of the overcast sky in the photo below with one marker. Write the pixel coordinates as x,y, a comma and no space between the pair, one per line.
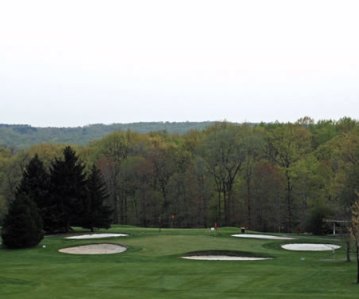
78,62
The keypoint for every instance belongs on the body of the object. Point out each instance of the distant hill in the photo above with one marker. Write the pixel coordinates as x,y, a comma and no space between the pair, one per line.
23,136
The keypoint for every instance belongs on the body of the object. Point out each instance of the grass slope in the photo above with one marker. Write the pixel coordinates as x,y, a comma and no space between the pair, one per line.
152,268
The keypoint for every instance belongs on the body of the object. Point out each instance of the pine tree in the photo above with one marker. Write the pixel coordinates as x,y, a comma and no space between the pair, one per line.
35,184
22,226
96,213
68,190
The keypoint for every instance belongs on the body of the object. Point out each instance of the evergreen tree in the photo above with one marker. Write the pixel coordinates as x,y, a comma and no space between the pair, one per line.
35,184
22,226
68,189
96,213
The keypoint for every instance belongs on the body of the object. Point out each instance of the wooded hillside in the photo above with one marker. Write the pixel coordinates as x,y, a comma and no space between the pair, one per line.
23,136
268,177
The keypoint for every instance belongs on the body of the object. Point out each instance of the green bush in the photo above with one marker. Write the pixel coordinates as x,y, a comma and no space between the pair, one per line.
315,223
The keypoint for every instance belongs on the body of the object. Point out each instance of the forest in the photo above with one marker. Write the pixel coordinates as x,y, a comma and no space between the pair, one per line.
23,136
267,177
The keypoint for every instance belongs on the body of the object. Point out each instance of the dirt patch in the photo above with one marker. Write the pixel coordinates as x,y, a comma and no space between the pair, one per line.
94,249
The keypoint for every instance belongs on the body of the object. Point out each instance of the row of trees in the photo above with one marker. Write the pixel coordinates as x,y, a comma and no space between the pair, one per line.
268,177
53,201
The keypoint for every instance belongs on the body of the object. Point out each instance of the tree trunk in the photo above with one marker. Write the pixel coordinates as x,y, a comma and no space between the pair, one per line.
219,214
347,242
249,207
116,214
289,203
226,208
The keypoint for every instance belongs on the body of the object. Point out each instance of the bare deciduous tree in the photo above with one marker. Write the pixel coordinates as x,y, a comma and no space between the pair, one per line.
355,231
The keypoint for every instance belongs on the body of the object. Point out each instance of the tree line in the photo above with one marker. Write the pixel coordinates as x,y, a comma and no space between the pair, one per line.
267,177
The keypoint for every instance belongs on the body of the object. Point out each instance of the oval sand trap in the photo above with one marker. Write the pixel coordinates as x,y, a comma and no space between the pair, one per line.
94,249
255,236
95,236
310,247
224,258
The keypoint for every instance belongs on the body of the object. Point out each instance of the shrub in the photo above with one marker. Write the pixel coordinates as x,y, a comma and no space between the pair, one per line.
315,223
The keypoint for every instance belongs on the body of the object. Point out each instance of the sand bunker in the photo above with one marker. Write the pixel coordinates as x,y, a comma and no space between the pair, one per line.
225,255
224,258
310,247
255,236
95,236
94,249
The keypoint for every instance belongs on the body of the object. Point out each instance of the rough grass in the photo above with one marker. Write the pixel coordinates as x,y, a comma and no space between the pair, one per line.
152,268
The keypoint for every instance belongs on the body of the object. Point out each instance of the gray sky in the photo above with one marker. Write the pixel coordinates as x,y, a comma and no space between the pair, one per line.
77,62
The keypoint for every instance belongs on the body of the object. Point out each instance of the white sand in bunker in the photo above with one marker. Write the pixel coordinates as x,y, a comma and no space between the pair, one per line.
255,236
94,249
224,258
310,247
95,236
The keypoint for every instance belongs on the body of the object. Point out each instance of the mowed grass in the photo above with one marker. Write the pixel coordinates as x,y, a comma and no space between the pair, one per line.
152,268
